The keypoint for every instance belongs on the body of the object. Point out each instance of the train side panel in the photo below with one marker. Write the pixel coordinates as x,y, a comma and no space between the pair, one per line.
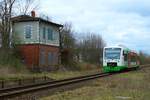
133,60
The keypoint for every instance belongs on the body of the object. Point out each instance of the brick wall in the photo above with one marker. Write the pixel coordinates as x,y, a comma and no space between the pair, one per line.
39,56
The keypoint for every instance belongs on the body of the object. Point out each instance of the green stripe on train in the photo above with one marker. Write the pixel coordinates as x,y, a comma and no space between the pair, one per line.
113,69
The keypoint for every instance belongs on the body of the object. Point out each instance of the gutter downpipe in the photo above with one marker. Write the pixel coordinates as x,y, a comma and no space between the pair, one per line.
60,43
39,47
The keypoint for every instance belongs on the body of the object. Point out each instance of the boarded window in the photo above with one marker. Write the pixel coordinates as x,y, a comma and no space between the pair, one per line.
55,58
28,31
44,32
50,58
42,57
50,34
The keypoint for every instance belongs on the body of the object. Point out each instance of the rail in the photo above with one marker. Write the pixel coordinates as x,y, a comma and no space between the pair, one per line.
22,81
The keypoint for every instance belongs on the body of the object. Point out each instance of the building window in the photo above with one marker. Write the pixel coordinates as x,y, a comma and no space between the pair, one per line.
44,32
28,31
42,57
55,35
50,34
50,58
55,58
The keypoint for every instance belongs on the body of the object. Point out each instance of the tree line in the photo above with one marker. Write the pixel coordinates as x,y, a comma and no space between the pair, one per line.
144,58
75,47
78,48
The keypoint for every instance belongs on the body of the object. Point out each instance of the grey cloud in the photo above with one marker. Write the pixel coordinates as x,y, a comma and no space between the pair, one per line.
119,21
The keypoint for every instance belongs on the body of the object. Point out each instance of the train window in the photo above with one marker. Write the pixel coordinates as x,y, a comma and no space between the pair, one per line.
133,58
112,53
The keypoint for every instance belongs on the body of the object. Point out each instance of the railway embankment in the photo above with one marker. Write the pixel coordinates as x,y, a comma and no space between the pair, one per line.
20,79
109,83
127,86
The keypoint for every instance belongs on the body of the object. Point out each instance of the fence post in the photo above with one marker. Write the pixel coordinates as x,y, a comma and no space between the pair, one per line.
45,78
33,79
2,84
19,82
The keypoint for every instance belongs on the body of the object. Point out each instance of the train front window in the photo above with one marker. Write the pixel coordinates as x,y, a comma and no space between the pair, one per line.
112,53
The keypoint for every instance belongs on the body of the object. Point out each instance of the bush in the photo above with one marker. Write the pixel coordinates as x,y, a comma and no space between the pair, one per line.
87,66
9,57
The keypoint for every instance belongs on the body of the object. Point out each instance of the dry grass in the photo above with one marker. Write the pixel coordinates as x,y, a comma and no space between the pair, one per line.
69,74
127,86
9,73
87,66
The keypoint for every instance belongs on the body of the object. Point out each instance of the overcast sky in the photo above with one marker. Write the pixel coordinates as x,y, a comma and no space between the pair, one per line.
125,22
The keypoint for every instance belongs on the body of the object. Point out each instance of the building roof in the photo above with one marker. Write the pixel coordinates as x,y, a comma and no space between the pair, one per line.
25,18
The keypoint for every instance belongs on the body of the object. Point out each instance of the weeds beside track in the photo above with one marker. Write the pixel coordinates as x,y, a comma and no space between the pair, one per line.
15,91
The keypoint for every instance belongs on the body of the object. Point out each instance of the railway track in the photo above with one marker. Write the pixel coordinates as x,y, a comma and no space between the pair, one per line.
15,91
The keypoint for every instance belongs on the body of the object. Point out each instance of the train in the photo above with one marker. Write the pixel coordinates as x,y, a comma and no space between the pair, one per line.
118,58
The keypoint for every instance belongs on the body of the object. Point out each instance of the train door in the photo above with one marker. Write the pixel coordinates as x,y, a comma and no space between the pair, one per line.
133,60
125,54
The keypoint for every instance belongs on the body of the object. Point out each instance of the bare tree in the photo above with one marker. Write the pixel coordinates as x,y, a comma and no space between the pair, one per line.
67,44
6,7
87,49
144,58
68,40
90,48
26,6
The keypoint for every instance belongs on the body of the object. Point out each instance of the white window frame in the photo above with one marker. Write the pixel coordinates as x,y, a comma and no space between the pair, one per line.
25,31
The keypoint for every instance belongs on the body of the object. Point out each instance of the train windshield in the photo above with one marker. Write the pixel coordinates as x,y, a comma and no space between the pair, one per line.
112,53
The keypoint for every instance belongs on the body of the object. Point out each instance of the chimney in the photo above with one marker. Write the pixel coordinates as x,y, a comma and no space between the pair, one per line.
33,13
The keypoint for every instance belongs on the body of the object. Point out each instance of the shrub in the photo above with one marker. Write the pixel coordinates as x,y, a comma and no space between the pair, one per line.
9,57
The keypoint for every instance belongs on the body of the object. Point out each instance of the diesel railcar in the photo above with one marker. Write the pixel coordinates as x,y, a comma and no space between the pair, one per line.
117,58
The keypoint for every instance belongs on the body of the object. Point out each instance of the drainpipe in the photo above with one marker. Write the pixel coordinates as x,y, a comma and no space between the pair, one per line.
39,46
60,43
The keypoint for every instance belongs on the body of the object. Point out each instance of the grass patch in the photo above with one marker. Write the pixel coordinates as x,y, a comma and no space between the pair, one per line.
69,74
7,74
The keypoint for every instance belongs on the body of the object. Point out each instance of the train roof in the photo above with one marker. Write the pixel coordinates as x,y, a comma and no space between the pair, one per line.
122,47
